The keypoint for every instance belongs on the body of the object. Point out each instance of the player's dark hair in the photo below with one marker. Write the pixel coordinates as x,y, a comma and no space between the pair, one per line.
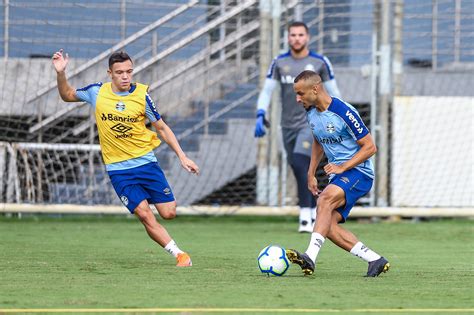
298,24
307,75
118,56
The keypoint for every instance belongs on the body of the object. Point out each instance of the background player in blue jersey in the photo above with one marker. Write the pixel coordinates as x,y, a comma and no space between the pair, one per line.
340,133
297,138
121,107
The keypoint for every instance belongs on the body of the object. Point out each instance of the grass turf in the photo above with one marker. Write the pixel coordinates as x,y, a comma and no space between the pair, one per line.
109,262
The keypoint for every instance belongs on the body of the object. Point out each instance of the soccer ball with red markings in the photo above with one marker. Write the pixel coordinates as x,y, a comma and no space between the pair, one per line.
272,261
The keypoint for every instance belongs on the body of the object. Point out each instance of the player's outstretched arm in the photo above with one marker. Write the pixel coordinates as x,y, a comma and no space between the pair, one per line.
66,91
367,149
167,135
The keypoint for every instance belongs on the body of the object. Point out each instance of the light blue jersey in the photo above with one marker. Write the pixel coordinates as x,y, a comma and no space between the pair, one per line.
89,94
337,130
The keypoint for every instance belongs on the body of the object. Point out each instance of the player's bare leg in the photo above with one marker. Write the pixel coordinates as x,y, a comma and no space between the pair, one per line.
349,242
331,198
167,211
155,230
340,236
158,233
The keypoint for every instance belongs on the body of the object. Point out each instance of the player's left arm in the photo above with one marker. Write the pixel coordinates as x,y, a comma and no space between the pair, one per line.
367,150
168,136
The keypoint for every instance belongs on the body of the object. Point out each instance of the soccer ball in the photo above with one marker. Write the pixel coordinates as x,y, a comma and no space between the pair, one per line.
272,261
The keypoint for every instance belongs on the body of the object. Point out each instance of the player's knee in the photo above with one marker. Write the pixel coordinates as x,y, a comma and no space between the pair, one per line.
143,213
169,215
325,201
167,211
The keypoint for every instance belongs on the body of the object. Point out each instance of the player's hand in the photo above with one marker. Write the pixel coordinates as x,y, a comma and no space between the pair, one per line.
260,124
60,61
313,185
189,165
333,169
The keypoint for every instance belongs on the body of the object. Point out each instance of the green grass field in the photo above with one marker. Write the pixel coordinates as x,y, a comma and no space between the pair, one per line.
110,263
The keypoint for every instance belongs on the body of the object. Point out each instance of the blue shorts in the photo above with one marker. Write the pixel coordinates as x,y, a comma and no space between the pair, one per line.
355,185
146,182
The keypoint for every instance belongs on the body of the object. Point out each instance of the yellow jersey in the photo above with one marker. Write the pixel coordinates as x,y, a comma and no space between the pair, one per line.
121,124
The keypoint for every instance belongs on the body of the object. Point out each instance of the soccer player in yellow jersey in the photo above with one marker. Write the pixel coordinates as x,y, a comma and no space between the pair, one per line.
127,145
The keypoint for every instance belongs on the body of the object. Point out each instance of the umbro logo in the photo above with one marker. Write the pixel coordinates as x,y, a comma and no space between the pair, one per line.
345,180
318,243
121,128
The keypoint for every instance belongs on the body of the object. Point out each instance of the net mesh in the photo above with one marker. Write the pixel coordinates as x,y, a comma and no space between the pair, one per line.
202,62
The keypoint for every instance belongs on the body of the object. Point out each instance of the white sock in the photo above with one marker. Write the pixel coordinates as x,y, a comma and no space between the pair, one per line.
305,215
173,249
317,240
363,252
313,215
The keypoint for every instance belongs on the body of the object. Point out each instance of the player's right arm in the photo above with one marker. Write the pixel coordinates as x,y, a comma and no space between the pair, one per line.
262,107
264,99
316,156
66,91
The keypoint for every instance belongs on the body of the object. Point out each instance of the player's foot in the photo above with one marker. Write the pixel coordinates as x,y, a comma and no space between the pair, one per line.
378,266
183,260
305,227
303,260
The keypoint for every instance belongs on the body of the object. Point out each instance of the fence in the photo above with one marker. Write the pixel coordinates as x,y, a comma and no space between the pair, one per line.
394,60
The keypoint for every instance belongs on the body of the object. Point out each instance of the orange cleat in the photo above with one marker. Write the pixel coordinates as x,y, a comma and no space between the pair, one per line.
183,260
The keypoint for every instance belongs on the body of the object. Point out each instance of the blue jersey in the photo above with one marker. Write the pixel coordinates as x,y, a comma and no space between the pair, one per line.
89,94
337,130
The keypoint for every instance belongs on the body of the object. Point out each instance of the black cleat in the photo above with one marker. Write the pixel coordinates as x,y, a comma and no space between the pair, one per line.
303,260
378,266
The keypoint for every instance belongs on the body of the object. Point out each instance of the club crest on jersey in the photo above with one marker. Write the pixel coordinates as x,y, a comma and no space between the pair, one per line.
120,106
330,128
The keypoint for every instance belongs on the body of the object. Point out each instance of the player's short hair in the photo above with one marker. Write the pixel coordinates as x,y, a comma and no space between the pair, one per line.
118,56
308,75
298,24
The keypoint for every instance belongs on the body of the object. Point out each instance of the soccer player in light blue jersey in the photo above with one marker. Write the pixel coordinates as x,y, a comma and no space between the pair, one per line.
340,133
297,137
